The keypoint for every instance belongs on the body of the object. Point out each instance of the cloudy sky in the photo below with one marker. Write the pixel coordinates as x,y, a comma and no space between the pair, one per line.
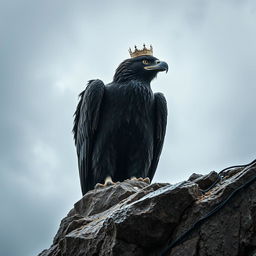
49,49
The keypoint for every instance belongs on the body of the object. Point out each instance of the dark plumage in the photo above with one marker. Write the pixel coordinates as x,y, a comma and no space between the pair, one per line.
119,128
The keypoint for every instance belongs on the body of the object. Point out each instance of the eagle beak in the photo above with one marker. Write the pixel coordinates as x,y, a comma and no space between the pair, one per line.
158,66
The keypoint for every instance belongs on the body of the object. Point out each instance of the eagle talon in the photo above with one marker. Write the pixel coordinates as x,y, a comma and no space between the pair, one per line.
108,182
146,180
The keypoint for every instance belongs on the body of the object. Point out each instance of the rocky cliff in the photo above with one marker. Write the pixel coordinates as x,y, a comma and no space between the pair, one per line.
207,215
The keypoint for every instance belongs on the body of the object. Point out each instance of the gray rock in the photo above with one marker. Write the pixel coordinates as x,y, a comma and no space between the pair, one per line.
204,181
135,218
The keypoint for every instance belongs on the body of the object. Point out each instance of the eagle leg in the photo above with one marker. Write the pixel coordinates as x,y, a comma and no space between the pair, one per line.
108,182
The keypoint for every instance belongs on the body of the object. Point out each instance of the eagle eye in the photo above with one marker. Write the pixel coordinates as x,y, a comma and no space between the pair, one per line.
145,62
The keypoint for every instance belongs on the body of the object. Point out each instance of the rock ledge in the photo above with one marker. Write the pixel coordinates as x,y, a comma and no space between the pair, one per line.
135,218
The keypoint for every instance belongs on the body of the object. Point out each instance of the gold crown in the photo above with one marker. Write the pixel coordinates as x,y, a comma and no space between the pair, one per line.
142,52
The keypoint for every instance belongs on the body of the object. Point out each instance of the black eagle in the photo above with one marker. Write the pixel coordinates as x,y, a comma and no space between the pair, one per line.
119,128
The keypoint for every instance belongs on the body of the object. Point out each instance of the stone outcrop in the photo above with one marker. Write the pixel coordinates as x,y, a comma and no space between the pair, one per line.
136,218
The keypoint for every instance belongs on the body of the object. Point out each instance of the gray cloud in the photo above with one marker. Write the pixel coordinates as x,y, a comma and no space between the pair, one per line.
48,52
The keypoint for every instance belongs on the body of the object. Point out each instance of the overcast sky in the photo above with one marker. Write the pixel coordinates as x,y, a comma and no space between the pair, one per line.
48,51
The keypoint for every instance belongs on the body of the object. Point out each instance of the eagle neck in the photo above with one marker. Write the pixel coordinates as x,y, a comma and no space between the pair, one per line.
135,83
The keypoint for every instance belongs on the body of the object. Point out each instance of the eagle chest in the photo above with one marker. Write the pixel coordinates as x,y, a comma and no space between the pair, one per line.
136,103
129,109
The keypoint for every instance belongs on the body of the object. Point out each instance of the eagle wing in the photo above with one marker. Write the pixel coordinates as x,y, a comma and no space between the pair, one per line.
159,130
85,128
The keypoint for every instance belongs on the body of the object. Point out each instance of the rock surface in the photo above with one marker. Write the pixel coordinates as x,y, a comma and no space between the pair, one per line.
135,218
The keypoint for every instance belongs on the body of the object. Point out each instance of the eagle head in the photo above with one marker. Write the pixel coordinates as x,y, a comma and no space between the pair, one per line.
142,68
